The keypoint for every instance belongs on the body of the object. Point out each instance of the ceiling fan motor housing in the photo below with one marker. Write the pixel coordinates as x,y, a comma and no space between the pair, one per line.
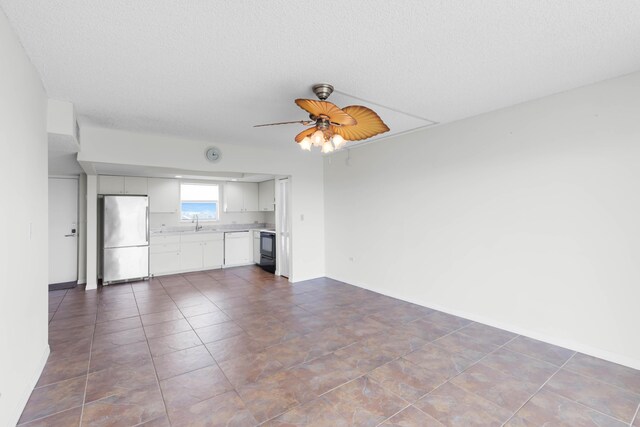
322,90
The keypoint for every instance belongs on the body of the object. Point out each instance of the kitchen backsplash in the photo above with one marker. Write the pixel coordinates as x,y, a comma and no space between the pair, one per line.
205,227
157,220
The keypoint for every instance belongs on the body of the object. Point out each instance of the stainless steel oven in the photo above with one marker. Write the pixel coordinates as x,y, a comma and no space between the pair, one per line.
268,251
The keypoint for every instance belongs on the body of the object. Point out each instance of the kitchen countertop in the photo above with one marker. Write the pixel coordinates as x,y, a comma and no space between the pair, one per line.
207,231
183,232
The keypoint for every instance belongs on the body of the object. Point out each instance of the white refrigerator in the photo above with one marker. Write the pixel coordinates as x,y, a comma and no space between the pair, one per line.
125,238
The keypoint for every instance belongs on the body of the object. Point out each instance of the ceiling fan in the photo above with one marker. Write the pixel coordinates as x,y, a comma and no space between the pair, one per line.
334,127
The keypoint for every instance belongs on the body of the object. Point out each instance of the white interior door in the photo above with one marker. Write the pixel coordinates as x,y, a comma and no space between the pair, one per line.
63,230
283,218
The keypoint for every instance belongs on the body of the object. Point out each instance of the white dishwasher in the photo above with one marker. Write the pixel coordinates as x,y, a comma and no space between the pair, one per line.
238,248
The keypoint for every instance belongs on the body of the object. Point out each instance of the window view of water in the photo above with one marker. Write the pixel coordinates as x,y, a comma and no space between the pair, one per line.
204,210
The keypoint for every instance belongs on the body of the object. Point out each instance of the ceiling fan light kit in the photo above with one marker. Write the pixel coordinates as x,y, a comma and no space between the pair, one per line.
334,127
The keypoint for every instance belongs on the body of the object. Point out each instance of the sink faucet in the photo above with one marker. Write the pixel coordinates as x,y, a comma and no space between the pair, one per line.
197,221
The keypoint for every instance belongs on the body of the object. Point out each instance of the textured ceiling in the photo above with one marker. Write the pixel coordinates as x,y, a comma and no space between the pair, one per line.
212,69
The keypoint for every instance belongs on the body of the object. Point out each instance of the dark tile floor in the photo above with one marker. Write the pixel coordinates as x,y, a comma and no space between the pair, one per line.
240,347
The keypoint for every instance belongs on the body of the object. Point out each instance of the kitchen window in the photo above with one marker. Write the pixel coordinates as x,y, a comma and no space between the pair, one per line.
199,200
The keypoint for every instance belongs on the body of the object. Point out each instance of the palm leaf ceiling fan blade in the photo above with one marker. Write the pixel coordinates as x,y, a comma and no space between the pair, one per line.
318,109
368,124
302,122
305,133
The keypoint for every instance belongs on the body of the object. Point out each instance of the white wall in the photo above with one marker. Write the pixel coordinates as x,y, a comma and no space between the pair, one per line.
157,220
61,118
23,256
82,229
527,218
129,148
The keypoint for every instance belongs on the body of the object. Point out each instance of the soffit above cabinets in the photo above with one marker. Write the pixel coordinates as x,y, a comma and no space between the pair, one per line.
159,172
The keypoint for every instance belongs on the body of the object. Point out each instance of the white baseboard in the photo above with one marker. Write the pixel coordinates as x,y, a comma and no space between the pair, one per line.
236,265
561,342
26,393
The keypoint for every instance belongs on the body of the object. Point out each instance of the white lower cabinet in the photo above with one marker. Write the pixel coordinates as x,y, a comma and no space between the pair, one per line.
190,256
164,262
256,246
191,252
213,253
164,254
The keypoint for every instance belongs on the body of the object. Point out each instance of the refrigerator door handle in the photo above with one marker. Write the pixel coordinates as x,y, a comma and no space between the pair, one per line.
146,222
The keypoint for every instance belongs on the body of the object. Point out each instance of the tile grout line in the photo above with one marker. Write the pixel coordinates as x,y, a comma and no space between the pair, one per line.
583,406
243,329
537,358
466,369
194,329
151,357
235,389
621,388
203,344
255,305
333,325
57,307
56,382
365,316
367,372
538,390
326,392
637,414
571,400
86,384
95,323
393,415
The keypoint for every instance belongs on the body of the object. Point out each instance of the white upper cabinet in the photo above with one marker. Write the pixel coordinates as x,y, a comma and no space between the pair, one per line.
240,197
164,195
250,196
108,184
267,197
136,185
233,198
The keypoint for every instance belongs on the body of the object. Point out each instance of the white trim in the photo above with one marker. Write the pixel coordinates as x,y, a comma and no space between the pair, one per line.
222,267
569,344
31,384
65,176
